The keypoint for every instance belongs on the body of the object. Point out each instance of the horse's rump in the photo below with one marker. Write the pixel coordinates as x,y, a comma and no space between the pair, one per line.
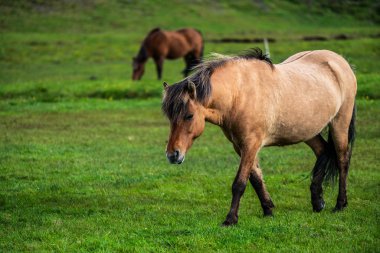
315,87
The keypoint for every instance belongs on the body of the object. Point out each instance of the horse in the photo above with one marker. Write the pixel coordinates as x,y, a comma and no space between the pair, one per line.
160,45
259,104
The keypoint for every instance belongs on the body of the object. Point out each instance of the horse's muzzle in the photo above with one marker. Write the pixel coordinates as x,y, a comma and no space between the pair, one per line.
176,157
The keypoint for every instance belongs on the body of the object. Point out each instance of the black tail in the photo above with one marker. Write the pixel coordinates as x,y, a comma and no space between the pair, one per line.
327,163
352,129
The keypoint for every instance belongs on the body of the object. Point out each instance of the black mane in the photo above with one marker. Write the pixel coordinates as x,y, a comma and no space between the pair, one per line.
256,53
154,30
173,104
142,55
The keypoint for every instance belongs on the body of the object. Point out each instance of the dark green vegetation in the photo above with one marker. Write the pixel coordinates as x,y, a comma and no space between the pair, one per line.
82,164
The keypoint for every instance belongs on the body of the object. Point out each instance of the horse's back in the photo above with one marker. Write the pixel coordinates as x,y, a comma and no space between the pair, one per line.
331,68
193,36
295,57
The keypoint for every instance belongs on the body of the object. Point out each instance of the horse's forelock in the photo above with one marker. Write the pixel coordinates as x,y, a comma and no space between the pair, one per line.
174,103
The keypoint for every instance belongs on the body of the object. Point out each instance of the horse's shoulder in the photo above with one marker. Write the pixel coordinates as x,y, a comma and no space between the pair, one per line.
156,32
156,37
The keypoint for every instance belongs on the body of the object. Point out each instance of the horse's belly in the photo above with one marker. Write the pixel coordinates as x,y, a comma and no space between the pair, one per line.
301,124
287,135
178,49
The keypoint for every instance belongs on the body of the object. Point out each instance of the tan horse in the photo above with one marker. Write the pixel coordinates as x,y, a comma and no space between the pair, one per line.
258,104
160,45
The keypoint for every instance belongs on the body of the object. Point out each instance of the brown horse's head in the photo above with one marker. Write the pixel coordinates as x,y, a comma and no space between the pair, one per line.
138,68
186,116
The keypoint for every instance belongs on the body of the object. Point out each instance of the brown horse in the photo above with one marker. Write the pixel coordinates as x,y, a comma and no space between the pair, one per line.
160,45
258,104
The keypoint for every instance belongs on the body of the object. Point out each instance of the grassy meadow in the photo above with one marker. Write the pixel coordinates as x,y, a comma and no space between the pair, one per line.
82,147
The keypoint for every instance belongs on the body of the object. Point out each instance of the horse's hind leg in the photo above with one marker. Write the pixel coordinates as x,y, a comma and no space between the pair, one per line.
188,61
191,61
318,145
340,134
258,184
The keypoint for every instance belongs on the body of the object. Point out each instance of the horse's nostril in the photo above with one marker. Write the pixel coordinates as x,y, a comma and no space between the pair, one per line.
176,153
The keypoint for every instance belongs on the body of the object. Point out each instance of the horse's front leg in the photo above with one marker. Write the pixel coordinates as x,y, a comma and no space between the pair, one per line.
256,179
159,61
248,157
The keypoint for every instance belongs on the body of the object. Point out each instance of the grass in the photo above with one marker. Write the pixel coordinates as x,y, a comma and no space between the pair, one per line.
80,178
82,163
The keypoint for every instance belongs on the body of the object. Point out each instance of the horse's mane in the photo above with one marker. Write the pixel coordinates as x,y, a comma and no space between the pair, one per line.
173,104
256,53
142,55
154,30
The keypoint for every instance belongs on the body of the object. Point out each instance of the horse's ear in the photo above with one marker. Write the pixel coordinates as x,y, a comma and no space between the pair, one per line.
165,85
191,89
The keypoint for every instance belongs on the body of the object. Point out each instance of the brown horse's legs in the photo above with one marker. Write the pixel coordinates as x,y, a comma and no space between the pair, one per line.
191,60
317,144
239,184
159,65
258,184
188,60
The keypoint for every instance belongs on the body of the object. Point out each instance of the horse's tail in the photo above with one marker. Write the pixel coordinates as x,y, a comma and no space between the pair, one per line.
327,163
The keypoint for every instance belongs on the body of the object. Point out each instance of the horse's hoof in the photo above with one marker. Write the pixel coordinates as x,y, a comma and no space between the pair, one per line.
317,207
339,207
268,213
229,222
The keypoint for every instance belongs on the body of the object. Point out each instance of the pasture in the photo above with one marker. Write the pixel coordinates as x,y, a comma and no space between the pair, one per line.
82,147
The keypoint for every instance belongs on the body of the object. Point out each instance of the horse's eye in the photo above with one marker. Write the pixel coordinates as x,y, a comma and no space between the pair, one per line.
189,117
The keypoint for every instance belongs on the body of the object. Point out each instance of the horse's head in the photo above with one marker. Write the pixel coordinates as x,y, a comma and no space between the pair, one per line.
138,68
187,119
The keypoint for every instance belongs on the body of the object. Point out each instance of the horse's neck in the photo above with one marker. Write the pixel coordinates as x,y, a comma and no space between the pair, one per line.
213,116
142,56
216,108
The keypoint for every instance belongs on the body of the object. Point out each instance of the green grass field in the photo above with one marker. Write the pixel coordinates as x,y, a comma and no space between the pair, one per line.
82,147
